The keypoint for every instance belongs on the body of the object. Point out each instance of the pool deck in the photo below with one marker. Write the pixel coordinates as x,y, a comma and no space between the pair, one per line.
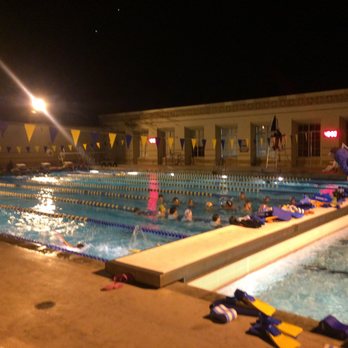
189,258
55,300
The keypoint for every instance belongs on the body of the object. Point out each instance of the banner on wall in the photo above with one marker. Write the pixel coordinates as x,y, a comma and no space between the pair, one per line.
204,141
243,145
97,144
53,133
37,148
193,142
182,143
70,147
232,143
8,149
128,140
170,142
54,148
223,143
112,138
84,146
19,149
27,148
29,129
143,139
75,135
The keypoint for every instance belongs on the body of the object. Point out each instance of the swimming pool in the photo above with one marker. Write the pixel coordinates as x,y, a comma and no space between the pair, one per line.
312,282
101,209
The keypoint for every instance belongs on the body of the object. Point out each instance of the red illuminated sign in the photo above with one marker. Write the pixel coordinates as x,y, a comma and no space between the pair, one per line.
331,134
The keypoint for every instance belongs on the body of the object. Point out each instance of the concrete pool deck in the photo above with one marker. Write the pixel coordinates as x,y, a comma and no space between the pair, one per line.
55,300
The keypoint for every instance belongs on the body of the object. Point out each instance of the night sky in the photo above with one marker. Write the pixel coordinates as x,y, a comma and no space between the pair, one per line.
92,57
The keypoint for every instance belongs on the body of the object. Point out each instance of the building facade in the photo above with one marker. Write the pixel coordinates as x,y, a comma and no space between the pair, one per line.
235,134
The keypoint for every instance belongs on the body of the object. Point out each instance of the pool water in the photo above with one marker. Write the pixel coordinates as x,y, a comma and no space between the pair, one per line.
114,206
312,282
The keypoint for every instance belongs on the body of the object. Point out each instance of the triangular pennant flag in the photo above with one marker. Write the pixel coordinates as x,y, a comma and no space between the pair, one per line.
194,142
3,127
45,149
70,147
54,148
112,138
53,133
37,148
75,134
232,143
19,149
247,142
170,142
143,140
62,148
261,141
84,146
214,143
122,142
29,129
28,148
94,137
182,143
8,148
204,141
223,143
97,144
128,140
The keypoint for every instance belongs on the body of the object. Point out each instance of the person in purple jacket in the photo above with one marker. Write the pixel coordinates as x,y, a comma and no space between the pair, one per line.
341,157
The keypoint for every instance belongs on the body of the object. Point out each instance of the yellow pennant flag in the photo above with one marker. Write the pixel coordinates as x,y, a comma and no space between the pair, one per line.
75,135
98,144
54,148
214,143
232,143
143,140
37,148
29,129
112,138
84,146
261,141
122,142
247,142
70,147
194,142
170,142
19,149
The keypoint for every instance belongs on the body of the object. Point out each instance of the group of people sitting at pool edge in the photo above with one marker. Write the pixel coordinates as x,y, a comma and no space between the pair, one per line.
242,212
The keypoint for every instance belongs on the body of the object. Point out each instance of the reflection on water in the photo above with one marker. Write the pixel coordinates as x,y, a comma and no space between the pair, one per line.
310,282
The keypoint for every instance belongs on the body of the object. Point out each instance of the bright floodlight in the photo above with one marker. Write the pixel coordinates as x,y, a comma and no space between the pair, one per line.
39,104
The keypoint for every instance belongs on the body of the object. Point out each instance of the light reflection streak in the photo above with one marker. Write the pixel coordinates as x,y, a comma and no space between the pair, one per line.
21,85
